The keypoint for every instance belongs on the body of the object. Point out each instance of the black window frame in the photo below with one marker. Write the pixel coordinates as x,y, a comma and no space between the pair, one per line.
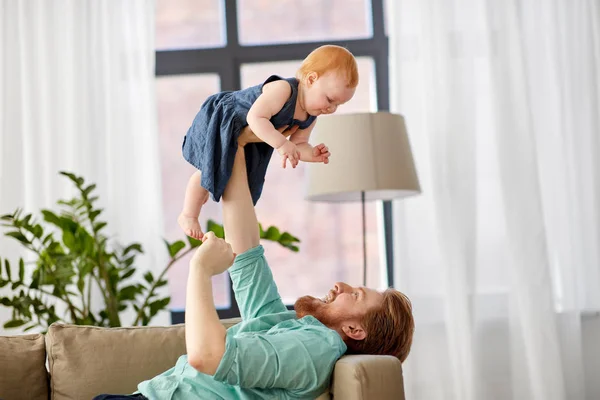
227,61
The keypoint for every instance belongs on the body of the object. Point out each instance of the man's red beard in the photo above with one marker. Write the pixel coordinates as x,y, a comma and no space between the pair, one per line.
308,305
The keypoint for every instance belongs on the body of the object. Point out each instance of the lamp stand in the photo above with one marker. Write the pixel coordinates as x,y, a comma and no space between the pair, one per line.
364,234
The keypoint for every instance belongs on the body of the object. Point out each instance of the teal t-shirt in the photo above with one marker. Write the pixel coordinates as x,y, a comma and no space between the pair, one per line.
269,355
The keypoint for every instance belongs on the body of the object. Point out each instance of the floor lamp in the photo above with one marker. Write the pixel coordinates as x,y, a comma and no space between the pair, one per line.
371,160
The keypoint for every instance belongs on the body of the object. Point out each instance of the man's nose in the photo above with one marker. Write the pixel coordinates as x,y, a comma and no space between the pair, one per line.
341,287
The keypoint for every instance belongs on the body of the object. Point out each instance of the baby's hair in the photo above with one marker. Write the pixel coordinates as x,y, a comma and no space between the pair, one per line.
330,58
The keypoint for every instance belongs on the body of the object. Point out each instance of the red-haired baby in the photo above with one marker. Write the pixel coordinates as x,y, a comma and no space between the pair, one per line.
280,114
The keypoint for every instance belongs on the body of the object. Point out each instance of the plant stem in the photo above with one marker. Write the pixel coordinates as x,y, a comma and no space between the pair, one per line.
89,299
111,306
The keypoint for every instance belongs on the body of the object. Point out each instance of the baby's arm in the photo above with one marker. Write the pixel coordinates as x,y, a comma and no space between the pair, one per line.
308,153
269,103
300,139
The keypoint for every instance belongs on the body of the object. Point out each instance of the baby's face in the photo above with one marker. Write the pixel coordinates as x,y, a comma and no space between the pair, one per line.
325,93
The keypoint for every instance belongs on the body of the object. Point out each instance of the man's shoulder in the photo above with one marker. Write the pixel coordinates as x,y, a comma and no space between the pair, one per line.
314,330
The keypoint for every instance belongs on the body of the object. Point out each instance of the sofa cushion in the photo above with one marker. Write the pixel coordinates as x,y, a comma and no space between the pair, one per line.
23,367
85,361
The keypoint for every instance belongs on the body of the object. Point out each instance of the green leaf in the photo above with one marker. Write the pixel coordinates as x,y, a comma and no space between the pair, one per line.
217,229
133,247
19,236
128,292
89,189
194,242
47,239
37,231
128,273
35,280
158,305
76,180
175,248
161,283
21,270
7,268
272,233
286,237
6,217
5,301
73,203
88,242
14,323
128,261
50,217
149,277
30,327
94,214
85,269
98,226
69,241
25,220
80,284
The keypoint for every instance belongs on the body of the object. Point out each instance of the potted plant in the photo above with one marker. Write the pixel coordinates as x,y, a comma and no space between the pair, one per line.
73,255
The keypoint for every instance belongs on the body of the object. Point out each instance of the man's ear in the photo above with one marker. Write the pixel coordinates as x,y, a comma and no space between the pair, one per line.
354,331
311,78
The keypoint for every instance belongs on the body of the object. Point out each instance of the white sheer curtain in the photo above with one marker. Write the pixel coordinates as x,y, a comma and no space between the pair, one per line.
77,94
501,252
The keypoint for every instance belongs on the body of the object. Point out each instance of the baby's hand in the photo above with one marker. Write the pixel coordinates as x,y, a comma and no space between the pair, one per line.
321,154
289,151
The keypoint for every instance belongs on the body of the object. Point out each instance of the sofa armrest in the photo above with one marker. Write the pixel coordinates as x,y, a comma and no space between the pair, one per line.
364,377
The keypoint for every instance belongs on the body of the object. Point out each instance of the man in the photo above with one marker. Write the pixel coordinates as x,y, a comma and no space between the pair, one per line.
273,353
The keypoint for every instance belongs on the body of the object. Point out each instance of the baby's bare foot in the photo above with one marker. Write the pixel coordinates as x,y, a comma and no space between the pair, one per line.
190,226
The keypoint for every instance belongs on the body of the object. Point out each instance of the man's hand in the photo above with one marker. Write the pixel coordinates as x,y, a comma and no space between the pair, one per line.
321,154
214,256
289,151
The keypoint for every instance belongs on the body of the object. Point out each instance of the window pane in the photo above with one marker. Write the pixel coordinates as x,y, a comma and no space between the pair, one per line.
292,21
330,234
189,24
179,98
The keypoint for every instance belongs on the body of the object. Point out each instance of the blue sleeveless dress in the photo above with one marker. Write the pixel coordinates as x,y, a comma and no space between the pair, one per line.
210,144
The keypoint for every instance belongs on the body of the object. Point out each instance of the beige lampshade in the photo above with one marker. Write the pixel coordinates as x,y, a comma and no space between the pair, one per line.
370,152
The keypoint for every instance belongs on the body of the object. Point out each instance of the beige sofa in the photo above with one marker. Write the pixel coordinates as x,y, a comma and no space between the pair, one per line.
78,362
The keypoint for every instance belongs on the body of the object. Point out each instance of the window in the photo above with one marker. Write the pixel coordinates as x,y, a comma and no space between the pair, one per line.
189,24
294,21
204,46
